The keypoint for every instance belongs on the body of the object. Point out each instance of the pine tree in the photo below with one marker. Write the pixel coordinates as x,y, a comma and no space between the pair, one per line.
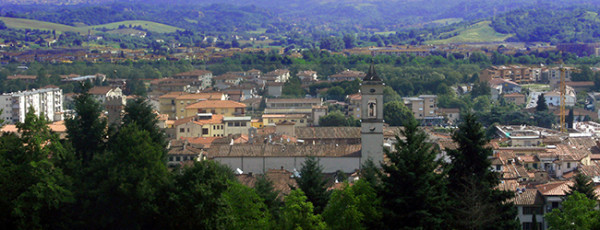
413,166
474,201
584,185
313,184
140,112
264,189
86,131
570,119
541,104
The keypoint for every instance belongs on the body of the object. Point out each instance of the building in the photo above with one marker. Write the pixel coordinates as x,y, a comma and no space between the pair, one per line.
278,75
101,92
553,97
224,107
236,125
515,98
299,120
274,89
307,75
423,107
451,114
347,75
48,101
518,74
204,76
174,103
200,125
371,131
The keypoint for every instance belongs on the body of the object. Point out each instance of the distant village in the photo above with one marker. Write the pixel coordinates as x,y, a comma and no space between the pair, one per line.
241,120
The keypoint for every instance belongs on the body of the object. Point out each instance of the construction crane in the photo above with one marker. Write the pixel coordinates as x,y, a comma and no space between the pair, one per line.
563,99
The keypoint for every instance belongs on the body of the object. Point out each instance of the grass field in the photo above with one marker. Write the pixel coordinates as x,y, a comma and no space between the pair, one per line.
447,21
151,26
20,23
479,32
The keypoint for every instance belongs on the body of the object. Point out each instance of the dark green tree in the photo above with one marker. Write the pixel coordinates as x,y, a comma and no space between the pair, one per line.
264,189
129,178
35,192
141,113
342,211
570,119
335,118
474,201
541,104
312,182
195,198
413,165
87,130
395,113
584,185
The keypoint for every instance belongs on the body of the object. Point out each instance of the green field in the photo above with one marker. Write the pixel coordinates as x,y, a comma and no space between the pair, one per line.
479,32
151,26
20,23
447,21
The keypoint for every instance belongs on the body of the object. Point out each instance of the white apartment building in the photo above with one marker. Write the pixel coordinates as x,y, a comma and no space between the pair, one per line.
47,101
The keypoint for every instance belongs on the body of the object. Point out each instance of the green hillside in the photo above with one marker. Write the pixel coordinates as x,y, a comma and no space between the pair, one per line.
479,32
151,26
20,23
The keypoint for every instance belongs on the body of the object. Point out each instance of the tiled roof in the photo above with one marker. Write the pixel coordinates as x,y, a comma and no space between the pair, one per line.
281,178
327,132
194,73
559,188
99,90
204,141
293,100
514,95
199,96
270,150
580,83
529,197
215,104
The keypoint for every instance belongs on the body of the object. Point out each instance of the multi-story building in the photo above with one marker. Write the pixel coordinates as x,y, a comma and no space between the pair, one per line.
226,108
48,101
347,75
174,103
518,74
236,125
422,107
204,76
278,75
200,125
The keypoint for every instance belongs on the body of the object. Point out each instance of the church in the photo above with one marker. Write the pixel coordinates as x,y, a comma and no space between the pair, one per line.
260,155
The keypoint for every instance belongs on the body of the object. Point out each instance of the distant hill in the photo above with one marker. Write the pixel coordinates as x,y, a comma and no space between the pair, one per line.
20,23
478,32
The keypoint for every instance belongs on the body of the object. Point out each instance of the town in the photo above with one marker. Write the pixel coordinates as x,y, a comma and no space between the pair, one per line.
421,114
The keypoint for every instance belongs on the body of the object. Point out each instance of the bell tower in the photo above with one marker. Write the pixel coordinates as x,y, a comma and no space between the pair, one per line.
371,117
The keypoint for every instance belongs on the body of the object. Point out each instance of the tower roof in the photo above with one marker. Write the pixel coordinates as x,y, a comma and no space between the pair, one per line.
372,75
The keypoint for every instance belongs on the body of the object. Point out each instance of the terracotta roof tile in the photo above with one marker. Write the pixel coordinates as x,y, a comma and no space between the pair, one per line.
216,104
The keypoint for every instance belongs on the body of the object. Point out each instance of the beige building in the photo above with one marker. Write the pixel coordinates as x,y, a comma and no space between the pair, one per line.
174,103
515,98
423,106
225,108
200,125
518,74
237,125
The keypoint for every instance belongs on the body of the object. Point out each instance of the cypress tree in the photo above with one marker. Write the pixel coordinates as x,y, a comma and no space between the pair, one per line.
313,184
475,203
541,104
413,166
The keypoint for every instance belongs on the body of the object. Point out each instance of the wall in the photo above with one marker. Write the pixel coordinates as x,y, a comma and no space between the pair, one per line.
261,164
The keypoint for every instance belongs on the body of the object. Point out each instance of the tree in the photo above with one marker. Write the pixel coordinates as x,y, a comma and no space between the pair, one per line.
584,185
541,104
313,184
195,198
342,211
480,88
335,118
245,207
129,177
35,192
86,131
577,212
140,112
349,41
413,165
395,113
474,201
336,93
298,213
570,119
264,189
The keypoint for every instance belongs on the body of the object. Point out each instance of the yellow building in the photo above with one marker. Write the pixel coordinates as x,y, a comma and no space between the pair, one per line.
225,108
256,123
202,125
300,120
174,103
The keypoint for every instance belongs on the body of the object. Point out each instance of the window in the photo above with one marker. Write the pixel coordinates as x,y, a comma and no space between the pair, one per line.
230,124
205,131
534,165
498,167
372,106
178,158
568,164
182,130
531,210
188,130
